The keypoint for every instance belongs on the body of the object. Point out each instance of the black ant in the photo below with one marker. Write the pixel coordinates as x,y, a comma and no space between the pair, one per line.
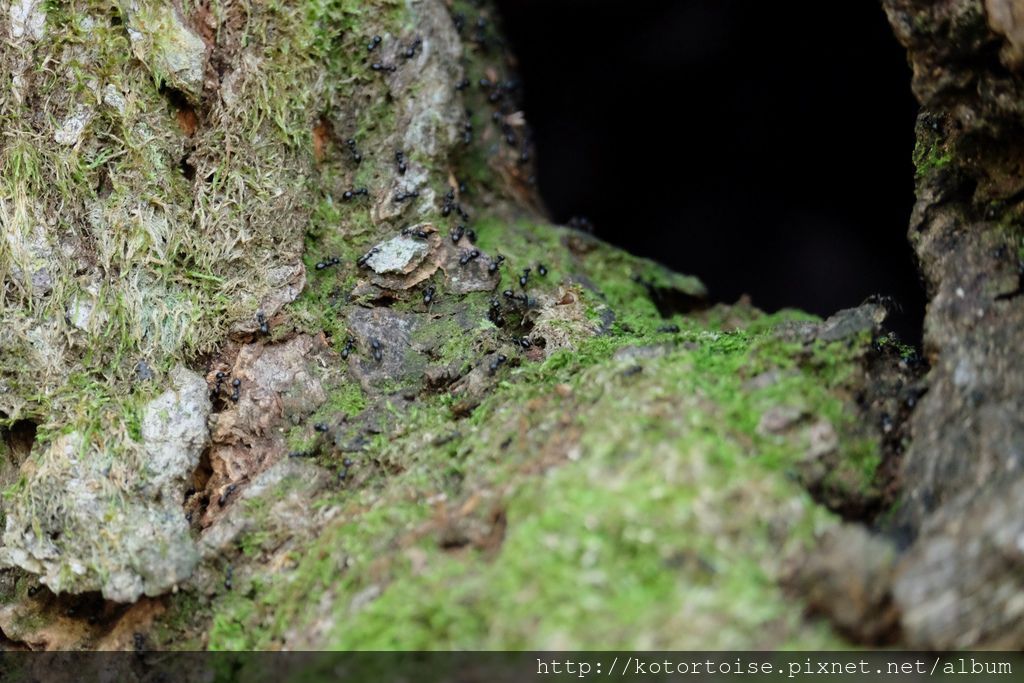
320,427
418,233
524,277
378,353
403,196
495,264
220,381
581,223
471,236
468,256
542,270
670,329
410,51
262,320
509,294
333,261
353,193
227,493
350,345
378,66
400,160
237,384
459,20
449,203
494,313
374,42
361,261
496,363
228,575
462,85
522,342
356,156
428,294
343,474
457,233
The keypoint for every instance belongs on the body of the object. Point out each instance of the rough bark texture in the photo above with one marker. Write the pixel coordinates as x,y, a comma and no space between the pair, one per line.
432,419
960,581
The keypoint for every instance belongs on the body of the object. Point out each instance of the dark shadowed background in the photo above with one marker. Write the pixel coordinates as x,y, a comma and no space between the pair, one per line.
764,146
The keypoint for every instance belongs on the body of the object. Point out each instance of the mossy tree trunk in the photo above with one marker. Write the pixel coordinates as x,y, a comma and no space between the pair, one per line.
289,357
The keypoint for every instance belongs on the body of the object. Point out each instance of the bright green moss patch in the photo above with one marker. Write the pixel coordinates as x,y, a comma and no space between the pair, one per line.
644,507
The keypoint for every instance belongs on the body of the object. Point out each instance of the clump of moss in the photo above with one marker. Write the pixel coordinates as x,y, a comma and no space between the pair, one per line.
625,475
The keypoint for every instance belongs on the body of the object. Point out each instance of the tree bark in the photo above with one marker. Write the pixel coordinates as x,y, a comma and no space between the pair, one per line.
290,358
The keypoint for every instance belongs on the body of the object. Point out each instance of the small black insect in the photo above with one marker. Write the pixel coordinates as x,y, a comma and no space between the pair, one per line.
428,294
237,384
32,590
374,42
410,51
459,20
457,233
351,144
353,193
524,277
581,223
468,256
350,345
227,493
327,263
449,203
495,264
495,316
139,642
366,257
509,294
262,320
418,233
462,214
467,132
320,427
228,577
471,236
523,342
496,363
542,270
378,352
403,196
462,85
400,160
380,66
670,329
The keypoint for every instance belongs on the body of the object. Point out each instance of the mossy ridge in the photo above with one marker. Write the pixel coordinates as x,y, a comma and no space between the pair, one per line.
449,598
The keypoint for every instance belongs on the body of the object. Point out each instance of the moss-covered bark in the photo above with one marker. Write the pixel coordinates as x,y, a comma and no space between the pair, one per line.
429,418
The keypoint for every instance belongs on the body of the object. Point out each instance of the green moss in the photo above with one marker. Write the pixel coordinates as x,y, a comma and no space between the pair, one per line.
180,626
666,527
930,155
